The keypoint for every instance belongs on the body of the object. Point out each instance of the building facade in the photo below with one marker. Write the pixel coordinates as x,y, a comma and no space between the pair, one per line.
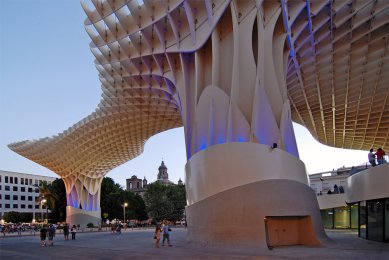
360,201
139,186
18,192
136,185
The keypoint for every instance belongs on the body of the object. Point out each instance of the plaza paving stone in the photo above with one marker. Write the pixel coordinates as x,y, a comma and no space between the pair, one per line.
139,244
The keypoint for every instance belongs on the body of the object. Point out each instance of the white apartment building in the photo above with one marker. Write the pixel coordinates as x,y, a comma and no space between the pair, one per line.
322,182
18,192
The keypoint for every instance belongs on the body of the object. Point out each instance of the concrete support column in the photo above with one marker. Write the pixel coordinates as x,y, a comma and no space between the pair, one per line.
83,199
233,187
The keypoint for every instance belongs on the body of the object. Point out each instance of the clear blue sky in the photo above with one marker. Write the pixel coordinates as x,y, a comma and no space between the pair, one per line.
48,83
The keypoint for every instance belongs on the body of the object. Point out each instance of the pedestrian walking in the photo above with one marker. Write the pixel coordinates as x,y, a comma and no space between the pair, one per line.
157,235
73,231
166,233
66,231
51,232
43,233
19,227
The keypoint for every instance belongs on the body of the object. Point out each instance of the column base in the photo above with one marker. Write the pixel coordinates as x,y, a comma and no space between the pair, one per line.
246,194
82,217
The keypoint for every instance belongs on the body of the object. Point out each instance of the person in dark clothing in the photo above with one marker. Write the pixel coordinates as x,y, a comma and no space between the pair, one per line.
380,156
43,234
66,231
73,231
336,189
51,232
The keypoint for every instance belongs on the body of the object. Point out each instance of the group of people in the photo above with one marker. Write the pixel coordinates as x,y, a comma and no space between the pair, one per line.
49,231
165,229
117,228
337,190
379,156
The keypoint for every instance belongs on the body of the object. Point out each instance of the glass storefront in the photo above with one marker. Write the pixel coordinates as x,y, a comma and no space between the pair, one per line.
354,216
375,223
342,217
327,216
374,220
362,219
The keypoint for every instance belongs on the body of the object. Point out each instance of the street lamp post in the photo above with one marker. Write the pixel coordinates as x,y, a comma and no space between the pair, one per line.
124,213
42,202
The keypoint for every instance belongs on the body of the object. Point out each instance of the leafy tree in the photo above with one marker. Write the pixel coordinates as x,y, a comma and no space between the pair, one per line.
113,197
177,196
165,201
16,217
58,213
55,196
136,208
109,196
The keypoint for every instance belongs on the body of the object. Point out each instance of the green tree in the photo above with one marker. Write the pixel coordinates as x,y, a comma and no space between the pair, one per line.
16,217
165,201
109,197
47,194
113,197
136,208
58,213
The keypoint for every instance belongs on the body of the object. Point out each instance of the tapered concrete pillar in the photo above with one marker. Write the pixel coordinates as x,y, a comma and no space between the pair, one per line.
83,199
236,108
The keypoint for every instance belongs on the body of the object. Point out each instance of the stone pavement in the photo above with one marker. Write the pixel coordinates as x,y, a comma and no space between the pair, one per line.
139,244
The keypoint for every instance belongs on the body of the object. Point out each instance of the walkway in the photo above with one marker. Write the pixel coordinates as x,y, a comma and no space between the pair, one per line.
139,244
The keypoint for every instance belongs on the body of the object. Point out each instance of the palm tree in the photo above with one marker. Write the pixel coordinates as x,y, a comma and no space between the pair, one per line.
46,193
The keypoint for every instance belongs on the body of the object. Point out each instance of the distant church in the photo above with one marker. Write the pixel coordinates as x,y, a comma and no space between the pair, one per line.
140,186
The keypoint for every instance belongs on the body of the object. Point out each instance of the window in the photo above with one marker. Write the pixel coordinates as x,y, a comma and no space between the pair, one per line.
36,206
16,180
22,181
30,181
0,187
23,206
36,182
6,179
15,197
342,217
30,206
40,183
36,190
11,179
7,187
0,196
15,188
23,189
7,206
7,196
1,205
22,197
29,198
29,189
362,219
375,220
16,206
0,181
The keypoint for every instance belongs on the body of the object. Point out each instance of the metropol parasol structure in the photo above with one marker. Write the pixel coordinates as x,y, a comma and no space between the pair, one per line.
235,74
